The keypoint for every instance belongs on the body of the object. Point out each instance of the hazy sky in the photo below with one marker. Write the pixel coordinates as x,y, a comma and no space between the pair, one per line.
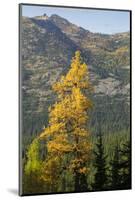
102,21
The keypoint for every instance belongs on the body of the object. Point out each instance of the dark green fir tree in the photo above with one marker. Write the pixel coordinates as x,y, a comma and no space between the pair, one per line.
115,177
125,165
100,179
121,168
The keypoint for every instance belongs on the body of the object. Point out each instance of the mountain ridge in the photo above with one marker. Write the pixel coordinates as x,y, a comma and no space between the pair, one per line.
47,48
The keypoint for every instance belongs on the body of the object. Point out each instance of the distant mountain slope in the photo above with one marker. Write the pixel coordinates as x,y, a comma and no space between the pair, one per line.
48,44
88,39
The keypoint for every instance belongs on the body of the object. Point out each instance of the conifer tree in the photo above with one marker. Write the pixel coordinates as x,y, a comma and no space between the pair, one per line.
121,168
100,181
125,166
115,170
67,135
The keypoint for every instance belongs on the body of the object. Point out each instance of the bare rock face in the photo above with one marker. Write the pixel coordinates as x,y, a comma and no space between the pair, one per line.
42,17
107,86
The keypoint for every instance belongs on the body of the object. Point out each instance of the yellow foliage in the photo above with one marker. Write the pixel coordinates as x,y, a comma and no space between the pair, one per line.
83,170
59,144
50,171
77,76
67,131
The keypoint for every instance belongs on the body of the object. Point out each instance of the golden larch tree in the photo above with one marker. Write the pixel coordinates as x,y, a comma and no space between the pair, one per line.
67,135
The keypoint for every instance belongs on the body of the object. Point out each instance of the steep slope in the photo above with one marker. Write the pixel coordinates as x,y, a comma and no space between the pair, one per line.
48,44
46,52
100,45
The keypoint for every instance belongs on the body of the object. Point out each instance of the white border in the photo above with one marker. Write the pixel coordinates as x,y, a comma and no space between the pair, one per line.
9,97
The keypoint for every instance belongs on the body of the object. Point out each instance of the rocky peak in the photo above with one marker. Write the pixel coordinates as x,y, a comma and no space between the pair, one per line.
57,19
42,17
